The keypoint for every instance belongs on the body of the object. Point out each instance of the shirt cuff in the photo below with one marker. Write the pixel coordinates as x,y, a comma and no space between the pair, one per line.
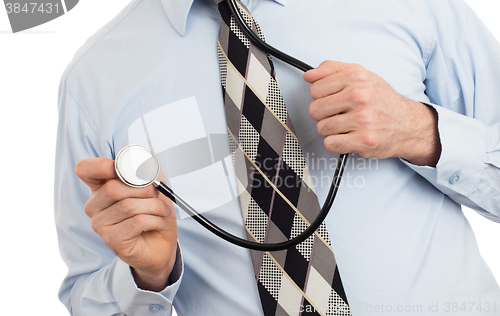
135,301
463,154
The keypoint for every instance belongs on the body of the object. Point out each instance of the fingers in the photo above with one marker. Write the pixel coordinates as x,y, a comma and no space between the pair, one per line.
338,124
329,106
332,77
130,229
361,143
353,109
95,172
134,226
327,86
339,144
327,68
114,191
128,208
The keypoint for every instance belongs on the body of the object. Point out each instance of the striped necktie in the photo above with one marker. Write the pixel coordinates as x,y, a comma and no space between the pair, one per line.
276,193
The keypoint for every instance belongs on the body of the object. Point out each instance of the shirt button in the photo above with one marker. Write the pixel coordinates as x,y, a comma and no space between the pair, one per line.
155,308
454,178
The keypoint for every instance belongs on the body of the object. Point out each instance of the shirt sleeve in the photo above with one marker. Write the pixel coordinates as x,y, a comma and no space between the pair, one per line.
462,83
98,282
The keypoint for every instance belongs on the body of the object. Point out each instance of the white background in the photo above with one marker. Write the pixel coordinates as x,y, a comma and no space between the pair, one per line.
31,63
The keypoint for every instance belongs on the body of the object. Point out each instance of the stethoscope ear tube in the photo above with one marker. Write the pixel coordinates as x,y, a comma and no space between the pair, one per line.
257,41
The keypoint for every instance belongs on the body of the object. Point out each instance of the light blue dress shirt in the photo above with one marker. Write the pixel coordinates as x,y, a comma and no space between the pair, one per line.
402,243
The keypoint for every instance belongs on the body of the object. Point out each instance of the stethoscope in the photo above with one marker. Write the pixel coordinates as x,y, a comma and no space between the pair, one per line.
138,166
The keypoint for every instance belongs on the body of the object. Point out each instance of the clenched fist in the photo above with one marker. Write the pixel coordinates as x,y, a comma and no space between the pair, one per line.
137,224
357,111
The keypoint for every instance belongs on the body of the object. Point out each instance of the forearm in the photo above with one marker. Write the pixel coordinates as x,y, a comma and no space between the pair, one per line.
423,147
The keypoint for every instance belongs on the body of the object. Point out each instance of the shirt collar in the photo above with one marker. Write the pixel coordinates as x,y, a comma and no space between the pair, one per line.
178,10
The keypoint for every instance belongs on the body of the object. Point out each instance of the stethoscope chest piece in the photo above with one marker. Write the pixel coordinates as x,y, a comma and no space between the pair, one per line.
137,166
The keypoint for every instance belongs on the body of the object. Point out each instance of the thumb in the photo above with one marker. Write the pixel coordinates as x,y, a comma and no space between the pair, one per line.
95,172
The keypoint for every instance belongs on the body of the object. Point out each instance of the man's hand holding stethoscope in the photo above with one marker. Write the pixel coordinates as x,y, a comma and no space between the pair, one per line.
138,224
358,111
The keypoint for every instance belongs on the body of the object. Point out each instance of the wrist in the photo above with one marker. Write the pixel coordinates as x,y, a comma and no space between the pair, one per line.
150,282
155,281
423,147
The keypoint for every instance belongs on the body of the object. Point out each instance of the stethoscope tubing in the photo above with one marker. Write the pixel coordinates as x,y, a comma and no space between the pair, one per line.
257,41
332,193
202,220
